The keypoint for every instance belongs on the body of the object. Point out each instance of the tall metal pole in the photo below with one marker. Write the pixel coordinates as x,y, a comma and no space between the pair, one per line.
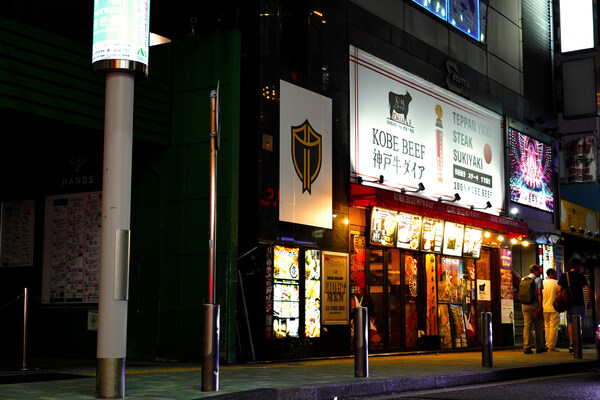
25,318
114,247
210,344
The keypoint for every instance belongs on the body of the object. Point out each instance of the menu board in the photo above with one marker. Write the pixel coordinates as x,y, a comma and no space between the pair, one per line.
286,292
17,220
433,235
453,239
335,288
312,293
72,232
472,242
383,226
409,231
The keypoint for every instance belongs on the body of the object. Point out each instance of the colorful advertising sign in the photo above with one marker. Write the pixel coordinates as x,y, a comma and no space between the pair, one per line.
472,242
312,293
305,178
335,288
383,226
453,239
409,231
286,292
578,220
433,235
411,131
530,168
580,159
121,30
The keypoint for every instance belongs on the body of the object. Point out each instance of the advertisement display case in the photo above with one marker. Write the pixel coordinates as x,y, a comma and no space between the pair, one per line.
286,292
409,231
453,239
472,242
383,227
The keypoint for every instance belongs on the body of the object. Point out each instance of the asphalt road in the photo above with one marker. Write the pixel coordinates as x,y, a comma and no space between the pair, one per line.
581,386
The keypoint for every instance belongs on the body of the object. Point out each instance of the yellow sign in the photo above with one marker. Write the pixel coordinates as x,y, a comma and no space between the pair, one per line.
577,219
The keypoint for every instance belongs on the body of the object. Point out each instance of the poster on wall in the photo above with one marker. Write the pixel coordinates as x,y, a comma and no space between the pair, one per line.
530,171
17,219
411,131
453,239
383,227
472,242
305,164
72,231
335,289
484,290
312,293
433,235
286,292
580,155
409,231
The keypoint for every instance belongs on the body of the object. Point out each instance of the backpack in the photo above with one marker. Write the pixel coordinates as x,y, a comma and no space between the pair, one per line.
527,292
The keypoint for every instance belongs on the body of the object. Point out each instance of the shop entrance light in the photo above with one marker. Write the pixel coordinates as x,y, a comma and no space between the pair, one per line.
361,180
420,188
487,205
456,198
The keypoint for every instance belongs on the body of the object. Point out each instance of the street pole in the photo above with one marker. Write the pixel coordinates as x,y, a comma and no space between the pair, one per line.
120,50
211,323
114,246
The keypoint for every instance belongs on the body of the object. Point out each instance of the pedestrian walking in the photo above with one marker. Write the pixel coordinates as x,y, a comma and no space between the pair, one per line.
530,294
551,316
576,282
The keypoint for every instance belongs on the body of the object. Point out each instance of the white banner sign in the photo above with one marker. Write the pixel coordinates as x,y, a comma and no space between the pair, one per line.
305,184
580,159
411,131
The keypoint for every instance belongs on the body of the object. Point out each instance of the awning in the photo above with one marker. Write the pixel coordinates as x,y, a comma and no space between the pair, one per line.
368,196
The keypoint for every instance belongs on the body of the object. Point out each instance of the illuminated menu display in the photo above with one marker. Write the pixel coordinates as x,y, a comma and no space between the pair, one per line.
453,239
433,235
383,227
409,231
286,292
472,242
312,293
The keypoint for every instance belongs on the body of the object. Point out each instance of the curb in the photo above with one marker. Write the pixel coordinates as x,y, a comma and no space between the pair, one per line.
363,387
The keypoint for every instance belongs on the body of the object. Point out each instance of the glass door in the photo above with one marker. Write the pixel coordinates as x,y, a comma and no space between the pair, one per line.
375,301
410,295
394,300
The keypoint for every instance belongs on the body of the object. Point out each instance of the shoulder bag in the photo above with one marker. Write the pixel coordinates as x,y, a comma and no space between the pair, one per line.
564,299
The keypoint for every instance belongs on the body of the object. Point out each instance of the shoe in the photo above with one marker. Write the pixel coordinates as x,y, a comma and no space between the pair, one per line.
571,349
542,350
553,349
528,351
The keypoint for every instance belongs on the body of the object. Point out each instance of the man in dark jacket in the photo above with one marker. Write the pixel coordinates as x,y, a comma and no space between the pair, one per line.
576,281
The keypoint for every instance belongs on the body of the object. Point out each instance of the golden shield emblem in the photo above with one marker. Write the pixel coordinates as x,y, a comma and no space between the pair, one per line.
306,154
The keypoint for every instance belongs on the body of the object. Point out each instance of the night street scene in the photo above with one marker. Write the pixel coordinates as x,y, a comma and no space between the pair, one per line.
299,199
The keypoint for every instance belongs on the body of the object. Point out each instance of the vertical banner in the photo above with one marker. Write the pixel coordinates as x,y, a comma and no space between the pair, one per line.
305,183
335,288
580,159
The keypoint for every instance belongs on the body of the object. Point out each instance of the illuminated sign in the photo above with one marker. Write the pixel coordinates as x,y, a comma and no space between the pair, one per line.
409,231
121,30
453,239
472,242
412,131
530,167
576,25
383,227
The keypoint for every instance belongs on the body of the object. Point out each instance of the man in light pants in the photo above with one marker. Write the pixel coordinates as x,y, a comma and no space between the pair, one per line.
551,316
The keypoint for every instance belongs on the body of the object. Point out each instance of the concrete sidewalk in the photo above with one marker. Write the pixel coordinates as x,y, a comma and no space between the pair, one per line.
306,379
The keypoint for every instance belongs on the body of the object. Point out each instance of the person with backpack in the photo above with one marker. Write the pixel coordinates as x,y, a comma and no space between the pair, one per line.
530,295
574,281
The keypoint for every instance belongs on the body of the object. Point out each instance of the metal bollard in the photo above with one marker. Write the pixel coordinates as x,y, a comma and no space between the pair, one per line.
361,342
486,340
25,317
577,348
598,343
210,348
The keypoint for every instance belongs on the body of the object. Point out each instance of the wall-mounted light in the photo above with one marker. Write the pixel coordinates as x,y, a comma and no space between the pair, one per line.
487,205
525,243
419,189
513,241
572,228
456,198
500,238
514,211
487,234
380,180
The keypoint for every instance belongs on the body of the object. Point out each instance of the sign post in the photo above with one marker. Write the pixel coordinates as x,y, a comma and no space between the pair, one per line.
210,343
120,50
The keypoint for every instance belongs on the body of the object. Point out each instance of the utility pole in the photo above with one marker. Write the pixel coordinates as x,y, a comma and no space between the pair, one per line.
120,51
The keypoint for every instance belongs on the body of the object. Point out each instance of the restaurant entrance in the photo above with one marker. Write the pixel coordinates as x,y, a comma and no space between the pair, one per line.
392,288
